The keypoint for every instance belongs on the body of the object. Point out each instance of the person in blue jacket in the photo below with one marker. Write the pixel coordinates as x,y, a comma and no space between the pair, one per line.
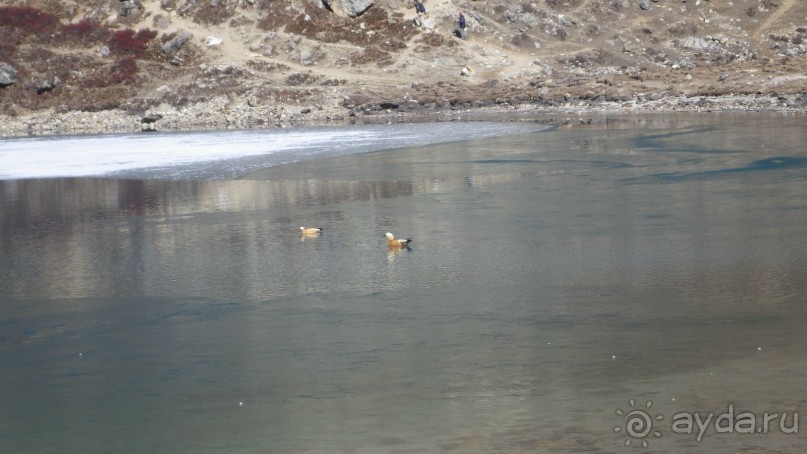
461,31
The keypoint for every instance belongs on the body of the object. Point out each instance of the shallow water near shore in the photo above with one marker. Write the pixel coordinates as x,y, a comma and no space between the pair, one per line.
556,278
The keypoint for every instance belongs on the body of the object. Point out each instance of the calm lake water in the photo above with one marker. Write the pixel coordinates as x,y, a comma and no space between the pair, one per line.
559,279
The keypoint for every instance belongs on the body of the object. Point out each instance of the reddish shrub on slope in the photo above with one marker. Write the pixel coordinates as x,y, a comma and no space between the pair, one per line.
127,42
84,32
121,72
29,21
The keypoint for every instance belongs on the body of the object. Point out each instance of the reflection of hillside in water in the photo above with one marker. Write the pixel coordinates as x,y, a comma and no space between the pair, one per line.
55,201
103,236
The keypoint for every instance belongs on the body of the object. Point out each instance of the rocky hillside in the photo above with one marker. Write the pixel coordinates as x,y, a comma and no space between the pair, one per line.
186,63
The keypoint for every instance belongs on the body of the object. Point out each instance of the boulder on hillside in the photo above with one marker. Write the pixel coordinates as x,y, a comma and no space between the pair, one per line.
46,85
175,44
8,75
348,8
151,118
128,8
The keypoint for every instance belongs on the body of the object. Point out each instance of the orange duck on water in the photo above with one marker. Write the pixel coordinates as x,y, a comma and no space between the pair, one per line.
310,231
393,243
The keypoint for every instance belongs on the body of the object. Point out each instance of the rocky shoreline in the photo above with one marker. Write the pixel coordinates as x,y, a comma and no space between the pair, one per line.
221,113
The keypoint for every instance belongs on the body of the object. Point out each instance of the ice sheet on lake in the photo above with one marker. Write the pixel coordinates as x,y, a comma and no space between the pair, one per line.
220,154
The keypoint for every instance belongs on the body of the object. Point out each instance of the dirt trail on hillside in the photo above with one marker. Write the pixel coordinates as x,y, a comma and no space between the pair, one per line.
786,6
758,36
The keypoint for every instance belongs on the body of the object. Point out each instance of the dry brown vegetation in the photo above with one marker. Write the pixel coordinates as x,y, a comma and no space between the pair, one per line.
71,55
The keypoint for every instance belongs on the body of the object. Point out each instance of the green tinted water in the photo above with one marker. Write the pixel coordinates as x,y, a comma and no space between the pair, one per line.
553,277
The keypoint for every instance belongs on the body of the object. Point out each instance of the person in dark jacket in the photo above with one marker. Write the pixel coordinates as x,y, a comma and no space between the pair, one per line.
461,31
419,8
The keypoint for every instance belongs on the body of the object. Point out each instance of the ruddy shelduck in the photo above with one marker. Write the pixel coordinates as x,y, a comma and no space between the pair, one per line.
310,231
393,243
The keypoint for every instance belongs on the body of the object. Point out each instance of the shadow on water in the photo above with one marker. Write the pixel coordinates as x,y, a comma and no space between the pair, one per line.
781,163
665,143
594,163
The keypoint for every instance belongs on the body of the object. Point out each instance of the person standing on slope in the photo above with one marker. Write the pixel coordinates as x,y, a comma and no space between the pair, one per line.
461,31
